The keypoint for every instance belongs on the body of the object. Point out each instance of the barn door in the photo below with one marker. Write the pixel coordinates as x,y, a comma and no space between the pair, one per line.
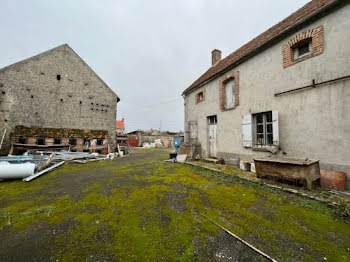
212,136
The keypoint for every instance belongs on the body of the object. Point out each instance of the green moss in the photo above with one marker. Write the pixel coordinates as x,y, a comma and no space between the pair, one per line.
149,210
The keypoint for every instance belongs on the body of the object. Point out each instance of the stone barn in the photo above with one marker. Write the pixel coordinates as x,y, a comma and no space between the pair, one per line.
55,99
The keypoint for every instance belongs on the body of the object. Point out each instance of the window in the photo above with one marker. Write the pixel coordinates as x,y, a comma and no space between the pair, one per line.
200,97
264,129
229,91
99,142
72,141
303,48
57,141
58,77
212,120
22,140
260,130
41,141
303,45
230,94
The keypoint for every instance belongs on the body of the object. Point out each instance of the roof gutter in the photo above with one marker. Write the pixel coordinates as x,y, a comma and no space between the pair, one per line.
318,14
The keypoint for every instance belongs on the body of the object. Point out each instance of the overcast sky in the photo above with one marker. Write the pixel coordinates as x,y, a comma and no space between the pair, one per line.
148,52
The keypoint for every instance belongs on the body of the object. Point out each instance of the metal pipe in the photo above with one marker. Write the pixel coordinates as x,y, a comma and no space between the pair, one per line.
314,84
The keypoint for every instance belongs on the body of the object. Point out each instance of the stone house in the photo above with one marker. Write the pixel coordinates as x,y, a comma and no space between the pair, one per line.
285,93
56,99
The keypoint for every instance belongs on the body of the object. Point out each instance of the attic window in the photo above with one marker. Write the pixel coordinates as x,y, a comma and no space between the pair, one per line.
200,97
303,45
302,49
58,77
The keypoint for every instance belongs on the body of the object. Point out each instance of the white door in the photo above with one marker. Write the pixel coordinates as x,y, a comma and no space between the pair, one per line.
212,140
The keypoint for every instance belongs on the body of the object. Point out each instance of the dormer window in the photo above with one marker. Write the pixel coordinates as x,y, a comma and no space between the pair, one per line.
200,97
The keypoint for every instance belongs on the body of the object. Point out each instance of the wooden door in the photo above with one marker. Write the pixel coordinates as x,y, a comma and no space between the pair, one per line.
212,140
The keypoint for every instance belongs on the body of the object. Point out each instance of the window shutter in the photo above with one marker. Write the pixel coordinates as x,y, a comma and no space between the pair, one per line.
276,139
229,90
247,130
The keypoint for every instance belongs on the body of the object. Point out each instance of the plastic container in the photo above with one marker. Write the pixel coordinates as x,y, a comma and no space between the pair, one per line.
333,179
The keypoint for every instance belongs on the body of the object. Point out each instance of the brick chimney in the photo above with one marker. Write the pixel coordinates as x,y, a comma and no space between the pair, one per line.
215,56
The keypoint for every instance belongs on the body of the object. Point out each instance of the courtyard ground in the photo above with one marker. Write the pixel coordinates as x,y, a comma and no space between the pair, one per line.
140,208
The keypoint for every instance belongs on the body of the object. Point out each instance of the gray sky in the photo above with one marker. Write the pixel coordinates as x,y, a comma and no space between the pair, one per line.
148,52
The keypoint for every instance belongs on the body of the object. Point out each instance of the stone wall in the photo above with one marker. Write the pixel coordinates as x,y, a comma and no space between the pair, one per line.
55,89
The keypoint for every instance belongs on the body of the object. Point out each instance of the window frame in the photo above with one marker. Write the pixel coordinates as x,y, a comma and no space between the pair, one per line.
200,97
212,120
222,91
266,120
296,49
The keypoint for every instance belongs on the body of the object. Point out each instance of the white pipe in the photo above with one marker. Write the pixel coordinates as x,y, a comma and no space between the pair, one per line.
11,171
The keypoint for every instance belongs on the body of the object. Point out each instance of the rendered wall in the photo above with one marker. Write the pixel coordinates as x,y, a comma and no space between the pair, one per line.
313,123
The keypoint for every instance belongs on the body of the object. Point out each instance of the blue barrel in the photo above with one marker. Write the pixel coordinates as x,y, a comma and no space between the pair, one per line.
177,142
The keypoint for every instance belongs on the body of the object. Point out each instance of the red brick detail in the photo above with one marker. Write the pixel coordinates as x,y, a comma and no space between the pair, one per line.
222,95
198,98
317,39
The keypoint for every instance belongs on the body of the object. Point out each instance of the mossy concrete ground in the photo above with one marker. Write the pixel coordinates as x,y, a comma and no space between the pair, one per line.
140,208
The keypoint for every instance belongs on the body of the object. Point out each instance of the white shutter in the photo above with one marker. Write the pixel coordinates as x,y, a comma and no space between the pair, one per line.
229,89
247,130
275,131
